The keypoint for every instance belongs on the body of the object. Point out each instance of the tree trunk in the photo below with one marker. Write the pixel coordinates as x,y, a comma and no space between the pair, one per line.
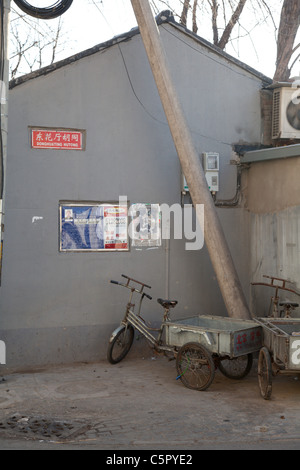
195,26
288,28
183,18
231,24
214,18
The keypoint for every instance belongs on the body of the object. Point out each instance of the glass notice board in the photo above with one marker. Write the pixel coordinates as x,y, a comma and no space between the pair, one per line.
93,227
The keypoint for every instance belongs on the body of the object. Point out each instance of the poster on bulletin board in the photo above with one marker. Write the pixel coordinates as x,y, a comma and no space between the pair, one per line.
145,227
93,227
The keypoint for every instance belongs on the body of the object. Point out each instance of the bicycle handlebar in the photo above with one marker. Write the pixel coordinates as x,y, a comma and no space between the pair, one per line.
148,296
133,289
133,280
276,286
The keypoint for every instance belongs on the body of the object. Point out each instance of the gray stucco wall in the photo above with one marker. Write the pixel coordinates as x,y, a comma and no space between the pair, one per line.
60,307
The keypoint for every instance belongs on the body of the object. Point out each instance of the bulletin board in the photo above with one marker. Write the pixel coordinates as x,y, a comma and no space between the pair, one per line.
93,227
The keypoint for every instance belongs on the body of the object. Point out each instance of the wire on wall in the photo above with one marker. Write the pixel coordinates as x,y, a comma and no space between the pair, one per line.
47,13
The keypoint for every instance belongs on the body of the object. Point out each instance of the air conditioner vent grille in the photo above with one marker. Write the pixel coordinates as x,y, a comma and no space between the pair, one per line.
276,114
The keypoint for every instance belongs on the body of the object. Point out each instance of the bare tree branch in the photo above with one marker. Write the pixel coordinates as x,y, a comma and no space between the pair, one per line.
195,26
231,24
34,43
183,17
56,39
214,9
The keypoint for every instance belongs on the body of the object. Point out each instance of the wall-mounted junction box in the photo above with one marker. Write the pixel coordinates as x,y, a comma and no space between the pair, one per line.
211,170
211,165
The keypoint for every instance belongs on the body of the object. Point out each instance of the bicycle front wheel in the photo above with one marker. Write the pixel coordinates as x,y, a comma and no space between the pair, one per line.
195,366
264,371
120,344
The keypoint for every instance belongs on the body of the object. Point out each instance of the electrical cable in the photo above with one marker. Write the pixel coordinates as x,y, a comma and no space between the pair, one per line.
47,13
192,130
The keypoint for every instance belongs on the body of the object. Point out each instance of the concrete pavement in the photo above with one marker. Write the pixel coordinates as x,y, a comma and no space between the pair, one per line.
138,404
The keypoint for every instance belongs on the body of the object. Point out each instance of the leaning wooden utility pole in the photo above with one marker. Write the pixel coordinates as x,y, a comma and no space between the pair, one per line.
220,256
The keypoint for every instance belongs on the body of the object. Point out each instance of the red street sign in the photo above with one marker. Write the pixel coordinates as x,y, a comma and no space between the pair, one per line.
56,139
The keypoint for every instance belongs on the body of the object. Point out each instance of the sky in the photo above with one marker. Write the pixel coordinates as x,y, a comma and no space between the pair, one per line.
90,22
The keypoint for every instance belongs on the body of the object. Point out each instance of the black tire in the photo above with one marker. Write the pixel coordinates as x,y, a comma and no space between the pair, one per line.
236,368
120,345
47,13
195,366
264,370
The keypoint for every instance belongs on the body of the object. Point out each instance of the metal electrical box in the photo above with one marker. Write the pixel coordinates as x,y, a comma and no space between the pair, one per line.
184,185
211,161
212,178
211,169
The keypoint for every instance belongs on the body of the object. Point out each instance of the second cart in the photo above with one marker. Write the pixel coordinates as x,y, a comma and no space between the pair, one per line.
205,343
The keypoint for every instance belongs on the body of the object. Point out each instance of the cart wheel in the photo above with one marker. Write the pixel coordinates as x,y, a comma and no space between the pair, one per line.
195,366
237,367
265,373
120,344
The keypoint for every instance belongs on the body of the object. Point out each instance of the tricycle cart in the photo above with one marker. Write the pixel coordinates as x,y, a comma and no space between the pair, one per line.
280,352
199,344
206,343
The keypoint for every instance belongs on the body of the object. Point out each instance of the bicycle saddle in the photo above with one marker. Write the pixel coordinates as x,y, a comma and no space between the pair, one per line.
286,302
167,303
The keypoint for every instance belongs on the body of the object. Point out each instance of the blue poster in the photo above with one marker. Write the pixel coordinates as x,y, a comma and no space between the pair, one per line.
94,227
82,228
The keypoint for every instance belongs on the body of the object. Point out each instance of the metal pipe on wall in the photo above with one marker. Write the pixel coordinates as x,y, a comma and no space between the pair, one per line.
4,79
220,256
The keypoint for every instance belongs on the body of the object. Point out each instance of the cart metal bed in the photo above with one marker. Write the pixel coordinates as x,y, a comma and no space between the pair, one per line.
280,352
221,335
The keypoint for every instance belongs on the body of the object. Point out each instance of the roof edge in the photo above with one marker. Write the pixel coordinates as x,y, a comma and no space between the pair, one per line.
273,153
165,16
74,58
267,80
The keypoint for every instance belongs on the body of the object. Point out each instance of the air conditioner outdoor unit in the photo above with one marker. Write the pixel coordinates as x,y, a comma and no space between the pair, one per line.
286,113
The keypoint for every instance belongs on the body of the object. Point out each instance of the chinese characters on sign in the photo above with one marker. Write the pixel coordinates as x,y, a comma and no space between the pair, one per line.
56,139
95,227
247,341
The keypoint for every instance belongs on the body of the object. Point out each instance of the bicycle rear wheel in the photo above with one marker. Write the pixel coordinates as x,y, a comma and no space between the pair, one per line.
237,367
120,344
195,366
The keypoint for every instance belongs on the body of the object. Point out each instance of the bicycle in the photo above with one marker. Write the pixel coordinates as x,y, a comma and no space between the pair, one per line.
288,305
122,338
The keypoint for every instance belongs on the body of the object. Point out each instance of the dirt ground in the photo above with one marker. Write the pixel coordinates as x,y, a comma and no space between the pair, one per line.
138,404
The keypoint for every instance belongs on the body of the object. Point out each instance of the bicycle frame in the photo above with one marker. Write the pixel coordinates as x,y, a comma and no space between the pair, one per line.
136,320
275,299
